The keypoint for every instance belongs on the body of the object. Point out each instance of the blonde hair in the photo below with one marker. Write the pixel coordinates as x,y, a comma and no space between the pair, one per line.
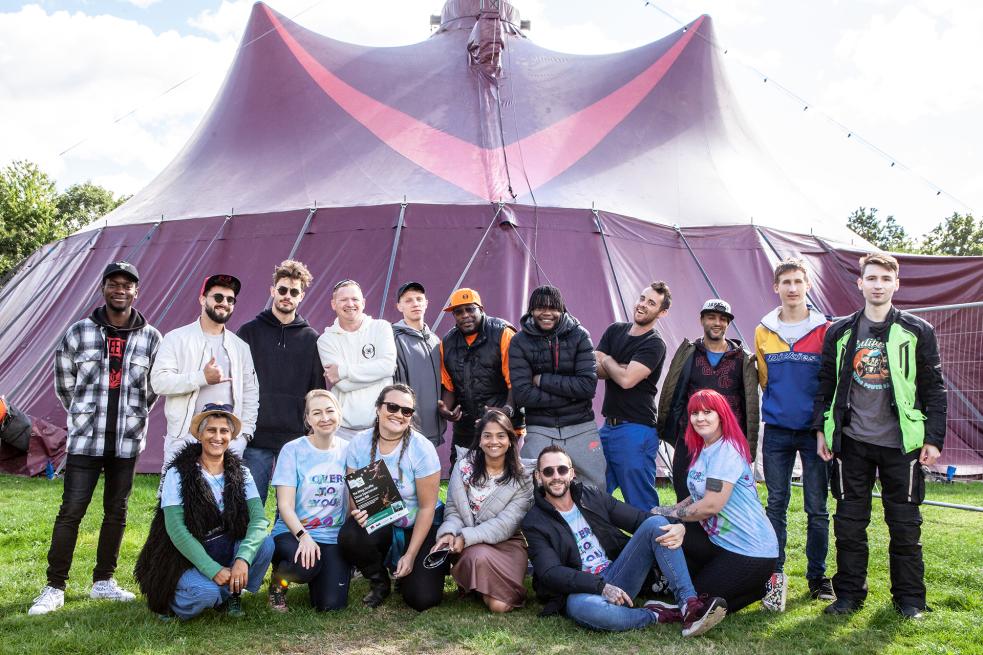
320,393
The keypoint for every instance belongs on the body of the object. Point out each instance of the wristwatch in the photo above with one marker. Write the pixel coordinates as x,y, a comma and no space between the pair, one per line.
300,533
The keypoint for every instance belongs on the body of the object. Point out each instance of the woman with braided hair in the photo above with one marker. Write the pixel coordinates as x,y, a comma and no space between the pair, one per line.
401,546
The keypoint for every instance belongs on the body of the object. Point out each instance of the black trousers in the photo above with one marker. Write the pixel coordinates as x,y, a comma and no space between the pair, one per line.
81,475
716,571
855,467
327,581
421,589
680,466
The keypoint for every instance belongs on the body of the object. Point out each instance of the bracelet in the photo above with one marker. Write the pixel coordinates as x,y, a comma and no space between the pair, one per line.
300,533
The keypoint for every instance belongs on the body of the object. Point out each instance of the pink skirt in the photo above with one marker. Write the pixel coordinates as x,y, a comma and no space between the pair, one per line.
495,570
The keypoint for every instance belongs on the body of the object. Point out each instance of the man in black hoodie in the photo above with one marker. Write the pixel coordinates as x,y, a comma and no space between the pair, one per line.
284,350
102,378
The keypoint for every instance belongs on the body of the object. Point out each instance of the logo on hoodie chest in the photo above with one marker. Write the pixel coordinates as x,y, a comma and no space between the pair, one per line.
368,351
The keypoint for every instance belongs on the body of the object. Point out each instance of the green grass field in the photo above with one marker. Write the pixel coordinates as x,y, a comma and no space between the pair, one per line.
953,542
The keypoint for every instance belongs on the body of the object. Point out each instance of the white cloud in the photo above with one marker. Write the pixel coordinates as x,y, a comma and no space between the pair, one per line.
142,4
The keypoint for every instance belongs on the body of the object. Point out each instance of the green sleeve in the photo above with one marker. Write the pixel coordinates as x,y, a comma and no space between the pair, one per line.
255,533
186,544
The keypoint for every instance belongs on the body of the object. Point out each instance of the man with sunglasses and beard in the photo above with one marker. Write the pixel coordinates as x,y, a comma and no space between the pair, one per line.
202,363
284,350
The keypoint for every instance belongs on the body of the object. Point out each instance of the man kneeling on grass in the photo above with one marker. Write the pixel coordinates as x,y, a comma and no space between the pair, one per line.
208,540
584,564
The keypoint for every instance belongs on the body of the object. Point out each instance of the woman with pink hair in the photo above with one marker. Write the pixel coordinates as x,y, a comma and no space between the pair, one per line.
730,544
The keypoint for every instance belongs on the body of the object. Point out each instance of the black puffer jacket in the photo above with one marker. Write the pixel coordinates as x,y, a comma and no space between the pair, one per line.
564,360
553,550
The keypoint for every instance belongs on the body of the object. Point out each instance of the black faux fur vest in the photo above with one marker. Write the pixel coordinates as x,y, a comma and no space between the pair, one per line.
160,565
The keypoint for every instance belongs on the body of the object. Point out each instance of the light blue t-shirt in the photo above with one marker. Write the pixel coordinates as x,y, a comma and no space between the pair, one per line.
419,461
741,526
714,358
171,492
319,478
593,559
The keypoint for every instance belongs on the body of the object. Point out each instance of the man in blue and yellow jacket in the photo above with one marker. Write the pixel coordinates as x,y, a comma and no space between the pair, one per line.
880,410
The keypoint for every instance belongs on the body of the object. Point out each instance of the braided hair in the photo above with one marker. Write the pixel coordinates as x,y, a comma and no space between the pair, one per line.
376,434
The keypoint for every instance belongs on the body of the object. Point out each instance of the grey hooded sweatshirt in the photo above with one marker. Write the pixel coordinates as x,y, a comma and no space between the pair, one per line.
418,365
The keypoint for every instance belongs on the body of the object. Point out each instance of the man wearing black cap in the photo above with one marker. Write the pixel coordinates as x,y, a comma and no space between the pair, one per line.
418,359
711,362
203,363
102,368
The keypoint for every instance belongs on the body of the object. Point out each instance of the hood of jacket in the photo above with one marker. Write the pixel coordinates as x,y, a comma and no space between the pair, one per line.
815,319
267,316
563,326
400,328
100,317
335,328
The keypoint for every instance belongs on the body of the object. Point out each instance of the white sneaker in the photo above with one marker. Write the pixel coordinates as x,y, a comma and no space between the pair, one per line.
109,590
48,600
776,592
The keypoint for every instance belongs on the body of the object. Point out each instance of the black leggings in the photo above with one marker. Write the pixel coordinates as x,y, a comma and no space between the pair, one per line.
716,571
327,581
421,589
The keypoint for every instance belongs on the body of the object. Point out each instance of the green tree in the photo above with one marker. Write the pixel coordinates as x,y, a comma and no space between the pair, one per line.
959,234
28,212
80,204
887,234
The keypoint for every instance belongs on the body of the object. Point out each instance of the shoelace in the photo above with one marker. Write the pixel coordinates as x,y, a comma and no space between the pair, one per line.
47,591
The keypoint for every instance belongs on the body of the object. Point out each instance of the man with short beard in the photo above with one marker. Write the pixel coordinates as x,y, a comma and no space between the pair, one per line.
202,363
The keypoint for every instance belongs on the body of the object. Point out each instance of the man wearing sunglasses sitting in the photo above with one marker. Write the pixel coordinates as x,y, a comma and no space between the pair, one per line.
284,350
202,363
585,566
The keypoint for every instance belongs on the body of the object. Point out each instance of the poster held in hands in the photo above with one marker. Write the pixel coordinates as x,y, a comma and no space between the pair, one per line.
374,491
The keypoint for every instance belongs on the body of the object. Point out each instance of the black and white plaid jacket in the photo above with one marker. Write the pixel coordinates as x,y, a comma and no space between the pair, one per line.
82,385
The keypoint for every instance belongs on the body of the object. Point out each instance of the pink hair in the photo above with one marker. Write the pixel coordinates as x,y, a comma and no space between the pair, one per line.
730,429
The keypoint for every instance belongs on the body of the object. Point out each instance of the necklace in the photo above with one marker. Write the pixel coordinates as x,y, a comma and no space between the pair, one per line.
399,438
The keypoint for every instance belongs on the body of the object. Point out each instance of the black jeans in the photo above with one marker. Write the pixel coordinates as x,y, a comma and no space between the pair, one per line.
738,579
327,581
902,490
680,465
421,589
81,475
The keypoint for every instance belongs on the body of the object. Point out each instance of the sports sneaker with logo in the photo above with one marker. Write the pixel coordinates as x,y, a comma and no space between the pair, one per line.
48,600
278,596
821,589
776,592
664,612
109,590
702,613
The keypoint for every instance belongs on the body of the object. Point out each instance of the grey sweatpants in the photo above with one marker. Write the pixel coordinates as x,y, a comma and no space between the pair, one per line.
582,442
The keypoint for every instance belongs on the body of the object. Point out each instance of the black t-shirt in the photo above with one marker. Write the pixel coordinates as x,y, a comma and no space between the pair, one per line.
635,405
115,347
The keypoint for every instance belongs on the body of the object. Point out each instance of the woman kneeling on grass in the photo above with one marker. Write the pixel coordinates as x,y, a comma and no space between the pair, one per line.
488,495
401,546
208,541
312,498
730,544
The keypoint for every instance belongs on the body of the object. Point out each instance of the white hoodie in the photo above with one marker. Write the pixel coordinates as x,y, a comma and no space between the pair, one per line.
366,360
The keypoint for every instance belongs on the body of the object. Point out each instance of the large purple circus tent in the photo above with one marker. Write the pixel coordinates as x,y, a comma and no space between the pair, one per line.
474,158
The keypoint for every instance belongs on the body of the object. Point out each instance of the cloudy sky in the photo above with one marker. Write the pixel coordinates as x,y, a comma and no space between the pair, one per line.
109,90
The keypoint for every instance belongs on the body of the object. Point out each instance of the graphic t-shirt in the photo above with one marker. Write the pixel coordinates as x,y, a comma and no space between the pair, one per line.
741,526
593,559
319,478
221,393
419,461
872,419
115,347
635,405
171,492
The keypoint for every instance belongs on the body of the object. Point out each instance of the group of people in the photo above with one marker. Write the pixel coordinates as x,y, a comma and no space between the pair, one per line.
532,475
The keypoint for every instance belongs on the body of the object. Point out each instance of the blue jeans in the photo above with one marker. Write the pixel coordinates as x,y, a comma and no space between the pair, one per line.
628,572
259,461
631,449
778,452
195,593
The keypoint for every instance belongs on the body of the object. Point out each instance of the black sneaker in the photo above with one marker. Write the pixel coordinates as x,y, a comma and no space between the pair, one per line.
702,613
843,606
821,589
277,596
911,612
233,606
379,589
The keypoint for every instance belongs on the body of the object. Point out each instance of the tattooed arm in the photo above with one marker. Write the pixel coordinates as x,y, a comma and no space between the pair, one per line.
717,494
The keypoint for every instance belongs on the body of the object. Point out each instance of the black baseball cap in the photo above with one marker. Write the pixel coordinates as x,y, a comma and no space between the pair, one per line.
221,280
124,268
408,286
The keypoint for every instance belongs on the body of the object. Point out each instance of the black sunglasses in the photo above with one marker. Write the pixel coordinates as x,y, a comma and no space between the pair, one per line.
392,408
548,471
285,290
220,298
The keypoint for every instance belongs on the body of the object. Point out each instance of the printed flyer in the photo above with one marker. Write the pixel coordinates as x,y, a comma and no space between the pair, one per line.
373,490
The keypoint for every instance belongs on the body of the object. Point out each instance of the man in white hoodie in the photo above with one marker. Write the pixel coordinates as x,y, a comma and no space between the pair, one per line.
359,357
204,363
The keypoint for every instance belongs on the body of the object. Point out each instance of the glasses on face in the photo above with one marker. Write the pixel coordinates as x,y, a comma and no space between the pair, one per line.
285,290
222,298
550,471
392,408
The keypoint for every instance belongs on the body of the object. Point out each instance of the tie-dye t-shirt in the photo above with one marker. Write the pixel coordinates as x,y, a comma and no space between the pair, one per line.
319,478
741,526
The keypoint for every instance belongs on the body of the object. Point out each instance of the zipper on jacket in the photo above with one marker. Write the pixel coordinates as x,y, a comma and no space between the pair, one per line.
911,479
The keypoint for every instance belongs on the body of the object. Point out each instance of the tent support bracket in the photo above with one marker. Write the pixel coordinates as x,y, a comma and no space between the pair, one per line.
300,237
607,252
392,257
706,277
184,282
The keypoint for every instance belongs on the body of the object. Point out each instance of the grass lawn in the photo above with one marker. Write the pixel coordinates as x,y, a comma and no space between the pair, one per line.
953,542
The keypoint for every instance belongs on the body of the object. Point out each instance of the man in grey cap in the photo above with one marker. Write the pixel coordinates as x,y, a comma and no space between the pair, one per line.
418,359
102,370
710,362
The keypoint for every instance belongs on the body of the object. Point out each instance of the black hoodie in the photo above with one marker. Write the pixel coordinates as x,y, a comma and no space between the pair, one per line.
287,367
116,338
